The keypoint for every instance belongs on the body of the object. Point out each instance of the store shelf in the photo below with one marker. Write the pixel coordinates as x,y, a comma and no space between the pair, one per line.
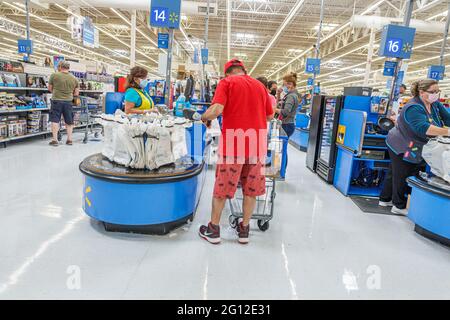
20,111
25,136
23,89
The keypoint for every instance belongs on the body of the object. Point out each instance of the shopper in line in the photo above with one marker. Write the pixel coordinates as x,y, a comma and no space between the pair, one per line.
137,99
288,105
64,88
422,117
403,89
245,107
273,88
272,98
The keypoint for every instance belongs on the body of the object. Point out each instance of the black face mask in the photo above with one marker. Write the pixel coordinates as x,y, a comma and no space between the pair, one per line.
273,92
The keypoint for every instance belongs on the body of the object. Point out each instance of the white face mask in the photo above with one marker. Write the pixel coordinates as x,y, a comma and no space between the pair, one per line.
433,97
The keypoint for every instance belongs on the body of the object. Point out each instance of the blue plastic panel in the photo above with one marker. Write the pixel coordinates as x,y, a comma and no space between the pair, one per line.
355,123
430,211
113,102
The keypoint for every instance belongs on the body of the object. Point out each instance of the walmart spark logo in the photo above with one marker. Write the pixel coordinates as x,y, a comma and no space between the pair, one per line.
86,199
407,48
173,17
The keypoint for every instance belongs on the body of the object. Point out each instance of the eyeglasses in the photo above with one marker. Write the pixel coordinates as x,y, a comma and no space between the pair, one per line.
433,92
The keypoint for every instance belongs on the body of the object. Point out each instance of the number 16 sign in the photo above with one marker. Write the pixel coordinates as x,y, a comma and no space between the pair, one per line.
165,13
397,41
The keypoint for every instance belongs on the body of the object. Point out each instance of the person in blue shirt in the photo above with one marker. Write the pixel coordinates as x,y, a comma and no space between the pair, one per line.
422,118
137,99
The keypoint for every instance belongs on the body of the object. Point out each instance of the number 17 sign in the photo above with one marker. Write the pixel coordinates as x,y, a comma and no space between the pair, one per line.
165,13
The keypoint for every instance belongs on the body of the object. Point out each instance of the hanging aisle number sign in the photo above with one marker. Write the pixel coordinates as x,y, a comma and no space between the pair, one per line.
397,41
165,13
436,72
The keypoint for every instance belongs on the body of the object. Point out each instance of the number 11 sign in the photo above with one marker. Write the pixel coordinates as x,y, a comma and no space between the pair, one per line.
165,13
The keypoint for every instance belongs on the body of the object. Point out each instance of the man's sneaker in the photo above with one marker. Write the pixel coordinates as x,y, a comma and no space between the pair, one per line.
243,233
403,212
54,143
385,204
210,233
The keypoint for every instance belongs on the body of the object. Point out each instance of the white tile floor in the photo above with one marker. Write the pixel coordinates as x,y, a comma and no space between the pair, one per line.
319,245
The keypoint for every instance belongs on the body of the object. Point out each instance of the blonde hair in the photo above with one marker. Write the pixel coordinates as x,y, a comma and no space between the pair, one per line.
422,85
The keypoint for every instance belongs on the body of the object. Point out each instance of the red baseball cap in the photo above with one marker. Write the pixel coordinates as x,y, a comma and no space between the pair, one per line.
232,63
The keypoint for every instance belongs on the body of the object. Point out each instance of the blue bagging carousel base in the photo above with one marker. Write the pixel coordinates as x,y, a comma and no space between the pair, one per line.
430,210
138,201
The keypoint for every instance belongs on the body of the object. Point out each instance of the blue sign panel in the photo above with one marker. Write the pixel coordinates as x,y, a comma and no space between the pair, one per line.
165,14
25,46
389,68
88,32
389,84
316,89
195,59
436,72
163,40
310,81
312,66
397,41
205,55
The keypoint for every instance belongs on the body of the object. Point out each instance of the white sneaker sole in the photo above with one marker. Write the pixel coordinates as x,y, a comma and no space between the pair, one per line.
385,204
243,241
210,240
399,212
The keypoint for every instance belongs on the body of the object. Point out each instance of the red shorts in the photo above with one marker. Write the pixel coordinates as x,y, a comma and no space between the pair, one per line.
228,176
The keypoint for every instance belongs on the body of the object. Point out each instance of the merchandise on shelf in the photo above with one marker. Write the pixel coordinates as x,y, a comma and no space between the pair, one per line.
37,81
14,101
12,80
45,122
34,122
11,66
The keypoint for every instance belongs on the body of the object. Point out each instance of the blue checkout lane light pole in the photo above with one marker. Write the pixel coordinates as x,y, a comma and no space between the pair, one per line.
395,46
166,14
444,45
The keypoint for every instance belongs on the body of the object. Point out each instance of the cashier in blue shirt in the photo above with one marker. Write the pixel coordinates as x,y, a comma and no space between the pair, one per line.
422,118
137,99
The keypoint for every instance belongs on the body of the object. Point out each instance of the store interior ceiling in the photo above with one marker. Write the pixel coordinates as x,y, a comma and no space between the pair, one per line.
272,37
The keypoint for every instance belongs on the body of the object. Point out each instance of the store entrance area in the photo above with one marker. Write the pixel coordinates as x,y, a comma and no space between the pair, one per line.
319,245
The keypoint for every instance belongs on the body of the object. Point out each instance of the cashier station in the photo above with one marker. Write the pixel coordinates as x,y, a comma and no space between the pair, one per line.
356,162
142,201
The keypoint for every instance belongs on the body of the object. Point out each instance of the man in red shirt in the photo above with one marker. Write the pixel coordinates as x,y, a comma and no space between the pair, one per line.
245,108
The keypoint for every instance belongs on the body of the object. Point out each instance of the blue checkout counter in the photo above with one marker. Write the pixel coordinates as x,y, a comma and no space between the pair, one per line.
362,160
299,138
429,209
142,201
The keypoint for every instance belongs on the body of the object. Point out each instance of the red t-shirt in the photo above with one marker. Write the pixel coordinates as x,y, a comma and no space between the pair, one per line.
244,125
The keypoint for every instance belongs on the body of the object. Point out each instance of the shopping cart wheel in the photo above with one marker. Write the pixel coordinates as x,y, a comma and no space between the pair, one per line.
263,225
233,221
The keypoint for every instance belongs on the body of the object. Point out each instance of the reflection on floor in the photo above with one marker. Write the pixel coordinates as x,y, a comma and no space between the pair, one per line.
319,244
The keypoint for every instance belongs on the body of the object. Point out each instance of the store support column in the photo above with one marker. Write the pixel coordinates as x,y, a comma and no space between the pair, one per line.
133,40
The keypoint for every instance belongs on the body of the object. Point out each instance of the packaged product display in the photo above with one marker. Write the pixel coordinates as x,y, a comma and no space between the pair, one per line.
144,142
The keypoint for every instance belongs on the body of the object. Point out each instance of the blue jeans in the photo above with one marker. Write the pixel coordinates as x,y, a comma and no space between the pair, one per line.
289,128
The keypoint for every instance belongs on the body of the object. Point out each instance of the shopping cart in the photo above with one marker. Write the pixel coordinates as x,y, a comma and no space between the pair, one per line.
275,165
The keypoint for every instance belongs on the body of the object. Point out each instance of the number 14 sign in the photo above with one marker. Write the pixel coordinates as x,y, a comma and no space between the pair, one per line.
165,13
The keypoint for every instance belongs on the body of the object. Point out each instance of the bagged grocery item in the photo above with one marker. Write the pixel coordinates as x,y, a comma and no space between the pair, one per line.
437,155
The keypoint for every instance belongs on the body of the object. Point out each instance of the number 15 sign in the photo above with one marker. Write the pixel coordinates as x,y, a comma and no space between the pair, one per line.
165,13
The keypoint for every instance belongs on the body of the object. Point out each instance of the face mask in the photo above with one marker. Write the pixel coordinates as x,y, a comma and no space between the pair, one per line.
286,90
433,97
143,84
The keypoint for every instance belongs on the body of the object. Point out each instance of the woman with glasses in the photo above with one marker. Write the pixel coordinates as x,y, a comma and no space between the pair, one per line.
422,118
